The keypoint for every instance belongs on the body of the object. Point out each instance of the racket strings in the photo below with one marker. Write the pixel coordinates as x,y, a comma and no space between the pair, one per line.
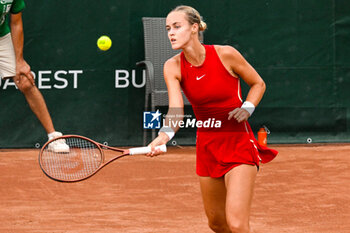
82,160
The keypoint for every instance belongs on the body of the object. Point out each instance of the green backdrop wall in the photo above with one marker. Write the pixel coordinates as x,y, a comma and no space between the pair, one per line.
300,48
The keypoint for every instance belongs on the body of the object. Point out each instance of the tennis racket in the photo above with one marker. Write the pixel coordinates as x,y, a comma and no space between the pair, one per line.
83,159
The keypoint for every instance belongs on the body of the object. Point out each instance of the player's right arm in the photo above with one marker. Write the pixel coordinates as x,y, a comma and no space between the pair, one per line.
172,77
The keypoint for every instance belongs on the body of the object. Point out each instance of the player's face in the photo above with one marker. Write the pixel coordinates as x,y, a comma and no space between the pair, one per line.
179,29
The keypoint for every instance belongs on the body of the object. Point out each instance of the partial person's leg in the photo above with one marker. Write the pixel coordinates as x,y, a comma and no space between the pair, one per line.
31,92
214,196
240,187
38,106
36,102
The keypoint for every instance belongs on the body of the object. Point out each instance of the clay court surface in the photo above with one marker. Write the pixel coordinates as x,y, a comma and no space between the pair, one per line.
306,189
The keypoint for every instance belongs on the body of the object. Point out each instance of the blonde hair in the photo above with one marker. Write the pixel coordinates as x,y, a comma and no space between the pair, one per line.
193,16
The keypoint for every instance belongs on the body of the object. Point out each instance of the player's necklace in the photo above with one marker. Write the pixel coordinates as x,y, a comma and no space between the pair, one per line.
201,60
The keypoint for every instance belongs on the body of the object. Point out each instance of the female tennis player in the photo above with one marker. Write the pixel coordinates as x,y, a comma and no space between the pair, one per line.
228,157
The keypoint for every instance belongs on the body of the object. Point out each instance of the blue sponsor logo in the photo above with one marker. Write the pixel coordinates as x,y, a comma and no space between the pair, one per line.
151,120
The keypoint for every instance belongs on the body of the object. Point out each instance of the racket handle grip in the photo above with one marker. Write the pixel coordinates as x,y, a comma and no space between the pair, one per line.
145,150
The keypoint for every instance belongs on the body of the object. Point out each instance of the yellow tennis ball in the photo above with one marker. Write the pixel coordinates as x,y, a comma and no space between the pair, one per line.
104,43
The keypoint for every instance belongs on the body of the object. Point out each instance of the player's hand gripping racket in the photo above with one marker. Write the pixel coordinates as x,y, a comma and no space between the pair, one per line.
83,159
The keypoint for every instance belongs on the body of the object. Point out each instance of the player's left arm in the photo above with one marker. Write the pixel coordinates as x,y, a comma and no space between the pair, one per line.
22,67
235,62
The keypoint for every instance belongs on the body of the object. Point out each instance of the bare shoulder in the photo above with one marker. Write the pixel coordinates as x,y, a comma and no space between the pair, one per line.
233,61
226,51
172,67
173,61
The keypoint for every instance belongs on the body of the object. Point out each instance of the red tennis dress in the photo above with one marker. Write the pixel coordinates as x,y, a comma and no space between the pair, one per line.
221,143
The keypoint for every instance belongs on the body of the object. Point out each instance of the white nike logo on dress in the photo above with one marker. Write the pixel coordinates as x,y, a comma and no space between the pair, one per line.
199,78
